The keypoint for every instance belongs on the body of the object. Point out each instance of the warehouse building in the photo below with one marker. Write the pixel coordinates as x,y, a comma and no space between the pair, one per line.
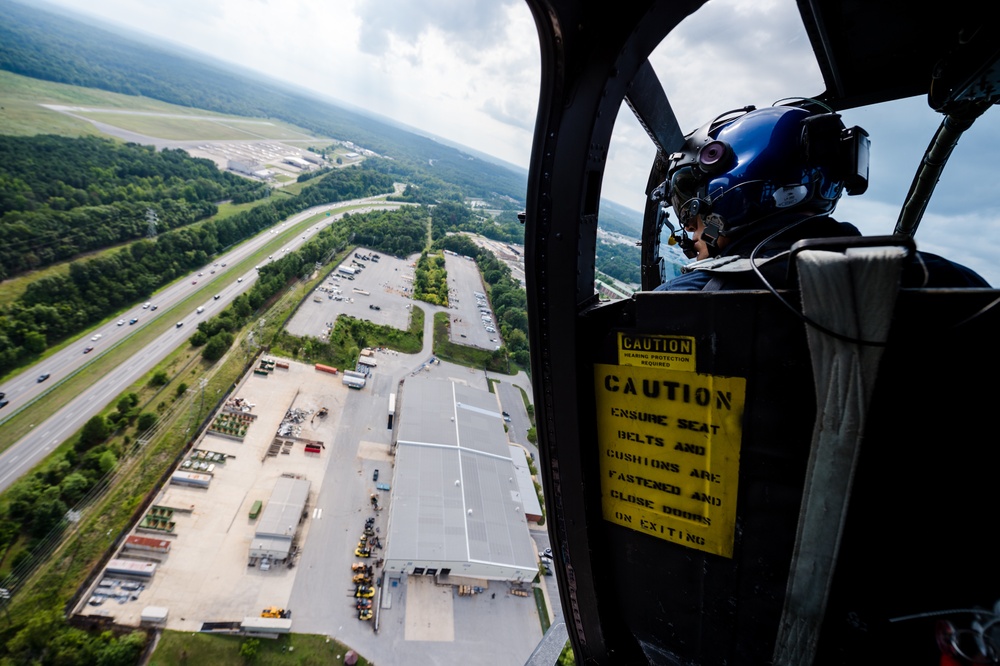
456,503
272,542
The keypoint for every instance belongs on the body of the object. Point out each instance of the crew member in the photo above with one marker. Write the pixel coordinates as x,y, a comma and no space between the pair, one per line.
752,182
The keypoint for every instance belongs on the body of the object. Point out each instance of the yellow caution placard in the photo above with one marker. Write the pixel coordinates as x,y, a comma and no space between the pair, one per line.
668,352
669,443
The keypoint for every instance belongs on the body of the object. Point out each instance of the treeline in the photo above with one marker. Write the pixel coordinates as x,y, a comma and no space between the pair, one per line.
399,232
55,307
61,197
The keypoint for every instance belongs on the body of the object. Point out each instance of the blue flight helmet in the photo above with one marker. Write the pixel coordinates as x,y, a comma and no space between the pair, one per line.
748,165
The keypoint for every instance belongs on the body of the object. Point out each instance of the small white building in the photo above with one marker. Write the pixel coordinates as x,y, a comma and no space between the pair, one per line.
296,162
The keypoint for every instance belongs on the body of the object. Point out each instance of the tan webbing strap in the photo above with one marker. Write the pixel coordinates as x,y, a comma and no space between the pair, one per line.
852,294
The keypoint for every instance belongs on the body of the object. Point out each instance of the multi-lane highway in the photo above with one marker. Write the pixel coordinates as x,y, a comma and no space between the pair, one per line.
225,282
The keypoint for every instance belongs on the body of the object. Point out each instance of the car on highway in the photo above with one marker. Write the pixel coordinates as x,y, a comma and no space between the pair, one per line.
146,305
506,416
132,320
88,349
194,282
96,338
121,322
179,324
43,377
4,403
239,279
216,297
153,308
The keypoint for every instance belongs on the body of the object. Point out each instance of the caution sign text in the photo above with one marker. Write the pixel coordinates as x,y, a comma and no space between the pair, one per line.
668,352
669,443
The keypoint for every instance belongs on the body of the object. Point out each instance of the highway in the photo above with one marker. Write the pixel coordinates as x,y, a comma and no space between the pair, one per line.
25,388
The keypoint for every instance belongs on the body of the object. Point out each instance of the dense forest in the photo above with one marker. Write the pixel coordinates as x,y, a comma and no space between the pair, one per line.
61,197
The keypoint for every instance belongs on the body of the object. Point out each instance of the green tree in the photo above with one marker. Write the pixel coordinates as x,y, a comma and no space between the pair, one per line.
94,432
107,461
47,513
124,651
74,487
217,346
250,650
30,644
146,421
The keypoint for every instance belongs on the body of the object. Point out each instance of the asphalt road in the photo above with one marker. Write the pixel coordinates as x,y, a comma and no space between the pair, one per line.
25,388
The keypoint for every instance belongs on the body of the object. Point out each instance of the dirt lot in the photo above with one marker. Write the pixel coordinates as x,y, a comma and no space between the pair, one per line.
206,577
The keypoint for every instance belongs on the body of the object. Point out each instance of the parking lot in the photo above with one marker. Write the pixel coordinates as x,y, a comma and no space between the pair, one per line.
378,290
472,317
381,291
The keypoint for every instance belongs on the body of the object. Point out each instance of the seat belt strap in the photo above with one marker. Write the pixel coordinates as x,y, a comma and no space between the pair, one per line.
854,294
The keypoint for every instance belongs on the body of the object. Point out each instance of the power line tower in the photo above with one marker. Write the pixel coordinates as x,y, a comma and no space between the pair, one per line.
151,221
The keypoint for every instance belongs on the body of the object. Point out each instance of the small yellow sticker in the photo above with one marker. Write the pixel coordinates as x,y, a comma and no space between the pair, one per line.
669,443
669,352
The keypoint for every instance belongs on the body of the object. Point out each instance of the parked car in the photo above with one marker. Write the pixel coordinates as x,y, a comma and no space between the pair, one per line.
375,476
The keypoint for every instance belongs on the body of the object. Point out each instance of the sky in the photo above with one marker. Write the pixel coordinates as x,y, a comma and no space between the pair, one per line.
468,71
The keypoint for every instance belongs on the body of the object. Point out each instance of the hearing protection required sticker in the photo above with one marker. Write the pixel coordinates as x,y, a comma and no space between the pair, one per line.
673,352
669,443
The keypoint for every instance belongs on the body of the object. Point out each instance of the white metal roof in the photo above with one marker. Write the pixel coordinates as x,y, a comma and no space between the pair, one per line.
455,494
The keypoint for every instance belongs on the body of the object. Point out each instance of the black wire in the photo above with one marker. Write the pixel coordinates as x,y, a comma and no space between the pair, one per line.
810,322
802,316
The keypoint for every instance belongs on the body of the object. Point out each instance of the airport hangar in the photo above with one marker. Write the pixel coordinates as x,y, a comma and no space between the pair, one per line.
456,499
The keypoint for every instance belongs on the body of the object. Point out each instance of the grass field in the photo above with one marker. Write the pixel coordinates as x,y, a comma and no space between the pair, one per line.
180,648
22,113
